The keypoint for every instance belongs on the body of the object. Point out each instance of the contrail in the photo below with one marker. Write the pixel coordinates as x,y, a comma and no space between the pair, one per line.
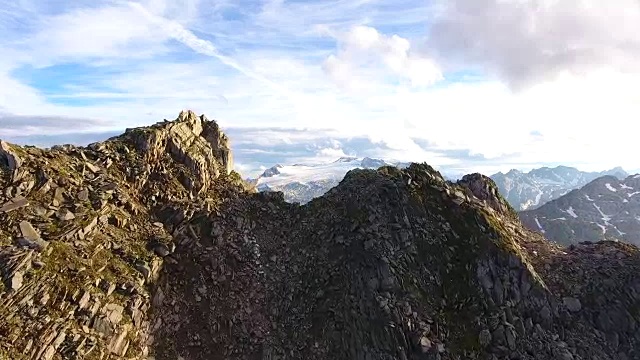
188,38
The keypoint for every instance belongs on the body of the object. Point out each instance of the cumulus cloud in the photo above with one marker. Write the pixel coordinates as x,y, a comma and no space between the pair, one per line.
364,47
527,41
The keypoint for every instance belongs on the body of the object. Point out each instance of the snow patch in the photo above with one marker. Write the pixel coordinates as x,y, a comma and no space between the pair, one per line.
538,196
605,217
625,186
625,200
633,193
572,212
608,186
588,198
539,225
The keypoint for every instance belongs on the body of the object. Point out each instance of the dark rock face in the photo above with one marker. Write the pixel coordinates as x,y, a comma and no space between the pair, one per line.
390,264
606,208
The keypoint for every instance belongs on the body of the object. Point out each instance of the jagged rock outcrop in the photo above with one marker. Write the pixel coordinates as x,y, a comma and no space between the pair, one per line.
191,140
109,252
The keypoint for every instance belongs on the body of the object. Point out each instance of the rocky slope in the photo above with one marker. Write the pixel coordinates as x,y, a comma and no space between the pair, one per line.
526,191
605,208
147,245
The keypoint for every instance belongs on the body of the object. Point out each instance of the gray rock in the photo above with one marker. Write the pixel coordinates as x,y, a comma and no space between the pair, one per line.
84,300
58,196
65,215
30,237
373,283
425,344
83,195
27,230
572,304
143,268
114,313
102,325
484,339
545,314
11,158
161,250
511,338
566,355
499,335
14,204
37,244
518,324
15,283
94,169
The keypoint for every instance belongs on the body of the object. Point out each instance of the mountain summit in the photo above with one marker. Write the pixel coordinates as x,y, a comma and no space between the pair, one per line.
147,245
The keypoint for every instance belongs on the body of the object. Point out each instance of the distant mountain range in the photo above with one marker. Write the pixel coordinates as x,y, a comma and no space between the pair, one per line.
530,190
605,208
303,182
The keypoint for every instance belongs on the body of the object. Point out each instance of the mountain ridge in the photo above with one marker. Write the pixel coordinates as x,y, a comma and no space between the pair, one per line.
529,190
148,244
605,208
524,190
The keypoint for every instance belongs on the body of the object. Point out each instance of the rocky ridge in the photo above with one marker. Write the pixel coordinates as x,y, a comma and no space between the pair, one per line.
147,245
606,208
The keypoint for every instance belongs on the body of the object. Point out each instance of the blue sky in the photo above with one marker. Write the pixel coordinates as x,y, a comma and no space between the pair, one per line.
488,86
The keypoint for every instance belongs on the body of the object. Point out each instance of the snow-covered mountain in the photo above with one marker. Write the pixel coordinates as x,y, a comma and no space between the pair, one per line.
301,183
530,190
607,207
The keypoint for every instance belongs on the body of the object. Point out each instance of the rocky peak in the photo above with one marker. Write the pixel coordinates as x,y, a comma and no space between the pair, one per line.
272,171
485,189
191,140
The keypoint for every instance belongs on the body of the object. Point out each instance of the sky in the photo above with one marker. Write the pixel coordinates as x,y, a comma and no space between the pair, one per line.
483,85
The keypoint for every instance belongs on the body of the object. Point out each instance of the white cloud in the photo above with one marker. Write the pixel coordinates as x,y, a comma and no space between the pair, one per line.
109,31
528,41
363,47
277,66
